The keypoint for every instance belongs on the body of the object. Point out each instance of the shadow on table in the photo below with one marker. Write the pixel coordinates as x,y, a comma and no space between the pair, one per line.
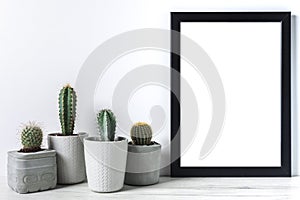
162,180
58,186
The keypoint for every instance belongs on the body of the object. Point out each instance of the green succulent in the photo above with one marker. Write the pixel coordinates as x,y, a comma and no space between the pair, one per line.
67,109
31,137
141,133
107,125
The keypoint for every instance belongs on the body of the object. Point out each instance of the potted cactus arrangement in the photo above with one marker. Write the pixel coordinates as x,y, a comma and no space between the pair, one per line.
32,168
143,161
105,156
68,146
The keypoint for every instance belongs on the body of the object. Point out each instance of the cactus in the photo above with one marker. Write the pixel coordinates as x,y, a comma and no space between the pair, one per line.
107,125
141,133
31,138
67,109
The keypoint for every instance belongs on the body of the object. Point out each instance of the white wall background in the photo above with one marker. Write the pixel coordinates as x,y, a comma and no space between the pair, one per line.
43,44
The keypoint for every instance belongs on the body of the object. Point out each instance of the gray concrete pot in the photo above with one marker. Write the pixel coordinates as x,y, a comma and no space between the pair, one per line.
105,163
70,157
31,172
143,164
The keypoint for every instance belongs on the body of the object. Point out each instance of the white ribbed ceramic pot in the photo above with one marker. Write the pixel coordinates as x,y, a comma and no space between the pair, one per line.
70,157
105,163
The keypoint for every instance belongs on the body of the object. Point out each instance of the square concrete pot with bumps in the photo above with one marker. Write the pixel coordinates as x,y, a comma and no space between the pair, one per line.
68,146
31,169
105,156
143,160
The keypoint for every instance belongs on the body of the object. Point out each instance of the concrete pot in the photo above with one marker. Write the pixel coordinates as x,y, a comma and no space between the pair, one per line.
70,157
31,172
105,163
143,164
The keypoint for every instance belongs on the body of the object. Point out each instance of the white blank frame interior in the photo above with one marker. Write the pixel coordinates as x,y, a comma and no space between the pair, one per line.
247,57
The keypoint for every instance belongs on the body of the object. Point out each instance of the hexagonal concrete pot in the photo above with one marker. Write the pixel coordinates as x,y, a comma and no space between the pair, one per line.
70,157
31,172
105,163
143,164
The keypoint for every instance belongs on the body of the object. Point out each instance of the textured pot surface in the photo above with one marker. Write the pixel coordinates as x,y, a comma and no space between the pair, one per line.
31,172
106,163
143,164
70,157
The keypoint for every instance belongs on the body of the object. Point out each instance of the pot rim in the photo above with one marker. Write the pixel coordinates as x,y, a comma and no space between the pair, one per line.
155,144
96,139
59,134
28,155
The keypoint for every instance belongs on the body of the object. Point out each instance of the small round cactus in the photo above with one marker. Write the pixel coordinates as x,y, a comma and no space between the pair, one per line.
141,133
107,125
31,138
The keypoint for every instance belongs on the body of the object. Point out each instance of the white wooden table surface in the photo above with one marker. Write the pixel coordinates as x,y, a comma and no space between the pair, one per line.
174,188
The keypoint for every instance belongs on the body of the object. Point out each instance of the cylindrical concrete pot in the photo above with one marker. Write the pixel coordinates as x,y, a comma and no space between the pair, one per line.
70,157
143,164
31,172
105,163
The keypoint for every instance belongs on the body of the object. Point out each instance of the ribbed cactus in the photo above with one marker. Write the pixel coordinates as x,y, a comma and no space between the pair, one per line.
107,125
31,138
141,133
67,109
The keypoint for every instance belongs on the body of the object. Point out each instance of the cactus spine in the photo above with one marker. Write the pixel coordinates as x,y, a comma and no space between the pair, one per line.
67,109
31,138
141,133
107,125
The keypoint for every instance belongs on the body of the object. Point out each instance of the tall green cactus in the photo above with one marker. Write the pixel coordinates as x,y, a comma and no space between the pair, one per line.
31,138
67,109
141,133
107,125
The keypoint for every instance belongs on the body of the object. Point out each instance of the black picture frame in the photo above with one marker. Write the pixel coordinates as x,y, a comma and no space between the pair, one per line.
285,169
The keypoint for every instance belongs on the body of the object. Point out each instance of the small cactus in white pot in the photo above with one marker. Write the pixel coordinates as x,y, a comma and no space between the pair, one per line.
32,168
105,156
107,125
69,146
143,162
